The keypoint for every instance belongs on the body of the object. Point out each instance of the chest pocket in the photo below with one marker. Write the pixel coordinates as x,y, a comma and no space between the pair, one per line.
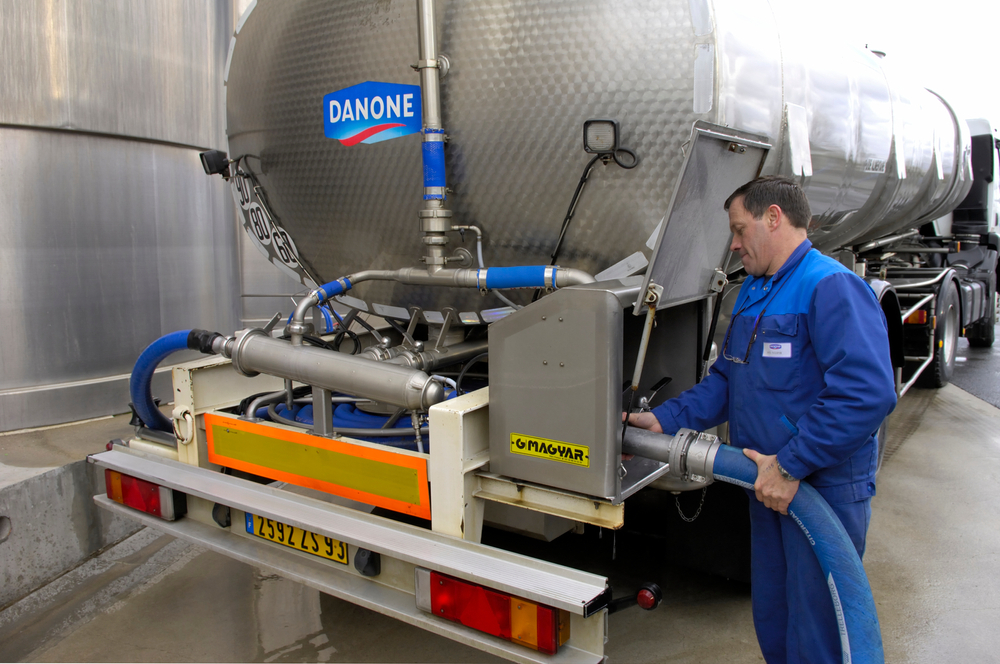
778,351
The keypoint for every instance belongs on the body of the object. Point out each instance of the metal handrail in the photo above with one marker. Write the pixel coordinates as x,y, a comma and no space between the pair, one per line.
909,312
921,284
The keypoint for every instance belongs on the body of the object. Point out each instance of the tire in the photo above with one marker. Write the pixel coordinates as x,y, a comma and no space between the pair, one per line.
940,370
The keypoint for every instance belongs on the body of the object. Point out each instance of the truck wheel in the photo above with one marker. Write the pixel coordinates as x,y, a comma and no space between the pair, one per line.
938,374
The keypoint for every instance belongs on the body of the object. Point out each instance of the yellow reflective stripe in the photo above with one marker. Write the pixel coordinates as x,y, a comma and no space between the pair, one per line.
346,470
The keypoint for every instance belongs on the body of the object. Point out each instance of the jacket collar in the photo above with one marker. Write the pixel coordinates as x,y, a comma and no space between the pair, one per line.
792,262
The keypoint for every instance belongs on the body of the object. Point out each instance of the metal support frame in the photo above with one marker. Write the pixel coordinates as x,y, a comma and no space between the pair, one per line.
551,501
208,384
459,486
930,298
460,429
322,411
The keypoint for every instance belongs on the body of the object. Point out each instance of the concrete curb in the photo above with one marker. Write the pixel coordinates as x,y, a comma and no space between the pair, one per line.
53,526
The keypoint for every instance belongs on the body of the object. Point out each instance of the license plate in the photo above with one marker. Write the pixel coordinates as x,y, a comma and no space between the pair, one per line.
297,538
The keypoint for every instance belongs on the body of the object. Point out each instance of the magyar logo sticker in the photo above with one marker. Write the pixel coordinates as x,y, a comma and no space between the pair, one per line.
371,112
553,450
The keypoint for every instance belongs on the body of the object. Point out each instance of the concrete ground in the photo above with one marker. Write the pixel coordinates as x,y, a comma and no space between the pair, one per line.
933,549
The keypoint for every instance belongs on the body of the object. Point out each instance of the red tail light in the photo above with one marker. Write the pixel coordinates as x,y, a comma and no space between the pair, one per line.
145,496
536,626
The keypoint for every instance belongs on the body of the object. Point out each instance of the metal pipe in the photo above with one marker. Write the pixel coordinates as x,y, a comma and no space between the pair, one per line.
688,454
263,400
462,278
918,270
567,276
909,312
886,240
255,352
428,65
921,284
428,360
925,250
415,421
435,219
916,374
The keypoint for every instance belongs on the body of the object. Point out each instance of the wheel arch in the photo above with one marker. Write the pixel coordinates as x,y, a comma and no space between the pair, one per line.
888,300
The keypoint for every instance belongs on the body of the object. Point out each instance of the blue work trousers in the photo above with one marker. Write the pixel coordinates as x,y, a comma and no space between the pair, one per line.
792,610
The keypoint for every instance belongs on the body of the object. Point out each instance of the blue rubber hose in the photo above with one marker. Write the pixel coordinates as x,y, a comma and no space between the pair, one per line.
337,287
348,416
860,636
140,385
528,276
328,319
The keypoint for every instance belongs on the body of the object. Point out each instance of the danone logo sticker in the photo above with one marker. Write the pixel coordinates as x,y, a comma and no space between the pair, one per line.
371,112
553,450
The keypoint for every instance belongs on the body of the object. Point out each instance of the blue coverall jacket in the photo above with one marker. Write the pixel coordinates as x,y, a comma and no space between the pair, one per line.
816,385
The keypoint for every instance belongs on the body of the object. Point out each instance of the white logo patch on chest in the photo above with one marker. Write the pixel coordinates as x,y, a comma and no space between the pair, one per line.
777,350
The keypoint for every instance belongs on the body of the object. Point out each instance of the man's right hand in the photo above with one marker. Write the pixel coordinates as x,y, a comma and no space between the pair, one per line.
644,421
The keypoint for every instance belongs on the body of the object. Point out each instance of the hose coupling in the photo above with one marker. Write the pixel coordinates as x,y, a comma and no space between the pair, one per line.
298,330
693,455
236,354
689,454
203,341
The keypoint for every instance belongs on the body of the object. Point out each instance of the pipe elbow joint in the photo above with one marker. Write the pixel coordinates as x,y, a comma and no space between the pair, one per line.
431,392
568,276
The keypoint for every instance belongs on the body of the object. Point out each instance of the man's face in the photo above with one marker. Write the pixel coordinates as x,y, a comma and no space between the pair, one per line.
751,238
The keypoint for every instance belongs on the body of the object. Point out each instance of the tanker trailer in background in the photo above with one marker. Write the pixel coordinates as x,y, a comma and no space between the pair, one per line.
508,228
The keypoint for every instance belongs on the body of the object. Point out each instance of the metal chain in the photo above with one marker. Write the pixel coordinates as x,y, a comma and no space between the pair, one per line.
677,501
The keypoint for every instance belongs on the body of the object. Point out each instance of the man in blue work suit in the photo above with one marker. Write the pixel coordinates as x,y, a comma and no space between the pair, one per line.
804,380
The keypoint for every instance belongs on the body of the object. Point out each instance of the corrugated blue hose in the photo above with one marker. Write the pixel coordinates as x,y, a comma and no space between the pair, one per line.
140,385
860,637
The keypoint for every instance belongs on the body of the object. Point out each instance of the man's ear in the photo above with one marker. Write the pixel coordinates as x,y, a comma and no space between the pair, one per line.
773,217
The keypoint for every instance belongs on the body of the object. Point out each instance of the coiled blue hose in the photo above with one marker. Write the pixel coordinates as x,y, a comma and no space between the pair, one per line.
140,385
349,416
860,637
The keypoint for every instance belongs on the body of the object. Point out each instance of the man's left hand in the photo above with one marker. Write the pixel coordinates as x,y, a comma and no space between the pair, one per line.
771,488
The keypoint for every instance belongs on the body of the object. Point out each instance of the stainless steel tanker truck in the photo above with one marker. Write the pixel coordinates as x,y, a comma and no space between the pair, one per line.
507,220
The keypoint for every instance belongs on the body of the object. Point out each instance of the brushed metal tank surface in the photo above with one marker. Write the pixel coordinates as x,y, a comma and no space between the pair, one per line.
524,77
111,234
143,69
96,268
873,151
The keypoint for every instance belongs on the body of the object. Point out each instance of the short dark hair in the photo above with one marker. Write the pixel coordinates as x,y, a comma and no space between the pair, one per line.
762,193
